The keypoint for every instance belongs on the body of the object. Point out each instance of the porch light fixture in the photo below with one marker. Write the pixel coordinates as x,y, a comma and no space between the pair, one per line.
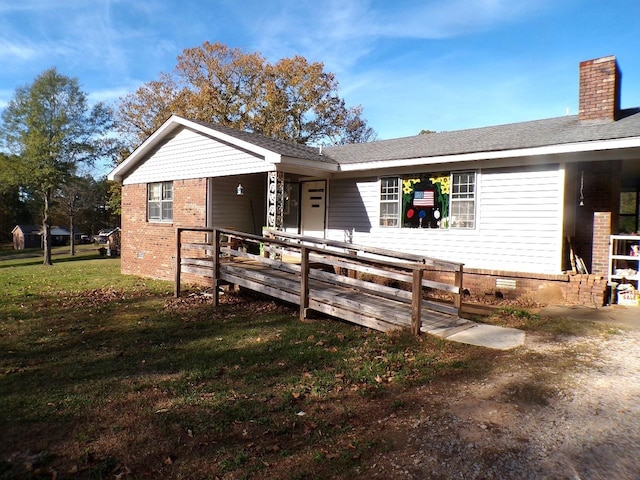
239,189
582,189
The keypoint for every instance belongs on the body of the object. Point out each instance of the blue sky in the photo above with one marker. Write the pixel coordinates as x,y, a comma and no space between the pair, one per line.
412,65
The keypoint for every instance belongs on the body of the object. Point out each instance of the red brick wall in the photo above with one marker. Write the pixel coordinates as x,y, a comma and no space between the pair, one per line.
544,289
148,248
599,89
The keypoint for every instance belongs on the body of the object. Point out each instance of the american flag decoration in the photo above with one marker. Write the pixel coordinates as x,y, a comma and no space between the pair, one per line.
424,198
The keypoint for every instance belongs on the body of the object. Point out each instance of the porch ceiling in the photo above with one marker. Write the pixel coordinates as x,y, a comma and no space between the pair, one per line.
631,174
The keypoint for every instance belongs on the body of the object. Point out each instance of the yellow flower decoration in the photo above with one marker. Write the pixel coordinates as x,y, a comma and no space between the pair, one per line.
407,185
444,181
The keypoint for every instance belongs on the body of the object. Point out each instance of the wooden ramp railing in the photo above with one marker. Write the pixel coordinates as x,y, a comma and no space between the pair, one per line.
374,287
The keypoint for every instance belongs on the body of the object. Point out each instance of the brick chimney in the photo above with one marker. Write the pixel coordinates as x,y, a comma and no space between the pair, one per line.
599,90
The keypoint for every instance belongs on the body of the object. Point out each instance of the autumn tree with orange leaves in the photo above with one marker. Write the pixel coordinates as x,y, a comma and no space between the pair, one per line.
291,99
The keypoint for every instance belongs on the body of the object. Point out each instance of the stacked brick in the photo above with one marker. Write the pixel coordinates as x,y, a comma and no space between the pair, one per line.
587,290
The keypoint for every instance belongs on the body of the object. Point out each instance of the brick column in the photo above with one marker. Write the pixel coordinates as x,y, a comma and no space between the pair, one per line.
600,251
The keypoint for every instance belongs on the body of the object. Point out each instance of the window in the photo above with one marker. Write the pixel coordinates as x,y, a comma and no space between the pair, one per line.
463,200
629,211
425,201
441,200
160,202
389,202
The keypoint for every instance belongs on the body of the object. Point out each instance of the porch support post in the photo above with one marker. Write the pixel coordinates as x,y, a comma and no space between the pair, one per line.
601,238
178,266
457,299
416,301
216,267
275,200
304,282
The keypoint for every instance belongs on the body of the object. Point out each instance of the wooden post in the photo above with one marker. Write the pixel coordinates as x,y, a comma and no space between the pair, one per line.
178,267
416,301
457,300
215,258
304,282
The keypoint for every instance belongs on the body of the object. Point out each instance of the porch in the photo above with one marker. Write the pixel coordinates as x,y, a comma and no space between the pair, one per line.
376,288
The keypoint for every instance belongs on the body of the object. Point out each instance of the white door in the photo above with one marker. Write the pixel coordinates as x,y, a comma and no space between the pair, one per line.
313,208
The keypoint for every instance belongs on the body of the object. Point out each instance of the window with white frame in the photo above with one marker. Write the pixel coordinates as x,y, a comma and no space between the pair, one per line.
463,200
441,200
389,202
160,202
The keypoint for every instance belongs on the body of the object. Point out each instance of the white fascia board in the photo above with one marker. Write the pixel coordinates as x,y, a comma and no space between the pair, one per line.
309,164
174,121
580,147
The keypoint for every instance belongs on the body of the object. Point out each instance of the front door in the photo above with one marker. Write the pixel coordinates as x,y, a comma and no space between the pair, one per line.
313,208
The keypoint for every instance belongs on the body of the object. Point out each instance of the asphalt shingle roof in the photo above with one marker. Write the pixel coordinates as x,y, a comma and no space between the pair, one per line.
537,133
283,147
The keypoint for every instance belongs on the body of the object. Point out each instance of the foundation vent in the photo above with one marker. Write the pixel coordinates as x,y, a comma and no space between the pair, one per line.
505,284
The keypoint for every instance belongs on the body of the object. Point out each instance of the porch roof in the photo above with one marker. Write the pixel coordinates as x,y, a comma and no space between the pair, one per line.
567,134
538,138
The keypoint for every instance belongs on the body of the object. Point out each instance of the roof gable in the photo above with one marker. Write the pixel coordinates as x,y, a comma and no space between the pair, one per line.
26,229
271,150
283,148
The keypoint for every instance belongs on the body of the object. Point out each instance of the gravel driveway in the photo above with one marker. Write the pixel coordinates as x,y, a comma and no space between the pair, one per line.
561,409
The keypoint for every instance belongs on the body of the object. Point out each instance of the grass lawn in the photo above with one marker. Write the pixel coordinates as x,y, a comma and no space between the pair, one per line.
108,376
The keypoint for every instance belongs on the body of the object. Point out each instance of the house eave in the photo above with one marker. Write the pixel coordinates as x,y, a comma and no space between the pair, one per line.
299,164
542,151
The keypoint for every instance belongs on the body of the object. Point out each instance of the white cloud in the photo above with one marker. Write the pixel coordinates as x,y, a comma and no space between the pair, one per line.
436,20
10,50
340,33
108,95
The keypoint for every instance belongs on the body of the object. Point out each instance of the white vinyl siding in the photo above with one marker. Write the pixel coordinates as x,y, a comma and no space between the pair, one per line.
245,213
192,155
352,209
521,218
518,222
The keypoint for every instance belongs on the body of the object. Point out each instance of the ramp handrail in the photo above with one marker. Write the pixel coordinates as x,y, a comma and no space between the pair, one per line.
369,260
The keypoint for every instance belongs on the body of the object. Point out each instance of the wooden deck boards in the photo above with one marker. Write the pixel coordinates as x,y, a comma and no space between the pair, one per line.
380,312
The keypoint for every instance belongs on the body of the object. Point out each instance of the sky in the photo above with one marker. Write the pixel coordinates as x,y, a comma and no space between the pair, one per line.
412,65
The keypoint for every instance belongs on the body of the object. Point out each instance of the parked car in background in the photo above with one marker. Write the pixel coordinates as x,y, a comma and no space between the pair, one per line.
103,236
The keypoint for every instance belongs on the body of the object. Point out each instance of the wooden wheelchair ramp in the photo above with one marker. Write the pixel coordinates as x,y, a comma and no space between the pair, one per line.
372,287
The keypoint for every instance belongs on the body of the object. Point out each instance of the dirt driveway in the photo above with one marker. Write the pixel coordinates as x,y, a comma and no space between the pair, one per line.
560,409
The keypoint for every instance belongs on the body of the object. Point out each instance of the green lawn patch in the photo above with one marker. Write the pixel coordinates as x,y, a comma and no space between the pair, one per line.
108,376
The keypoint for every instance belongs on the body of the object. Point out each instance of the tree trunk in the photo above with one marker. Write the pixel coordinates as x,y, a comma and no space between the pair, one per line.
72,243
46,229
